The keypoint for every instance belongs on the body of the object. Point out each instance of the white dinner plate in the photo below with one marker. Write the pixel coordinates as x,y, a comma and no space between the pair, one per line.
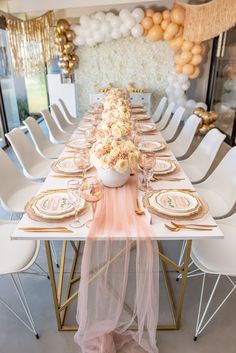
146,127
164,166
151,146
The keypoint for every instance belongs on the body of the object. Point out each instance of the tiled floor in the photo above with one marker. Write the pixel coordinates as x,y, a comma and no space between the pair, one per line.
15,338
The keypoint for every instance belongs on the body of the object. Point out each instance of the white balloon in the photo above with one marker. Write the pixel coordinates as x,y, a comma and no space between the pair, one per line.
79,41
116,33
105,27
169,90
171,79
138,14
107,37
116,22
109,16
124,13
84,20
87,33
100,16
178,93
181,102
182,78
191,103
185,86
124,30
94,24
98,37
177,86
137,30
77,29
130,22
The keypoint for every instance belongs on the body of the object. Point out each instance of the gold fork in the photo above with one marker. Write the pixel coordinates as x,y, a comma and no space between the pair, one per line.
137,209
177,229
193,225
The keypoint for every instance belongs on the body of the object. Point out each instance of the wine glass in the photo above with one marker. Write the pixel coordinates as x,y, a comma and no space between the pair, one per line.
91,135
82,160
92,191
147,163
74,197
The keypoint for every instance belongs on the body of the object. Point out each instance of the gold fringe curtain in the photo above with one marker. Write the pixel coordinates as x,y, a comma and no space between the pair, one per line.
206,21
31,42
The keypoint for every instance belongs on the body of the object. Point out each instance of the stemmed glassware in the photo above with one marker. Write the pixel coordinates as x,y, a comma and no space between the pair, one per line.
74,196
92,191
91,135
82,160
147,163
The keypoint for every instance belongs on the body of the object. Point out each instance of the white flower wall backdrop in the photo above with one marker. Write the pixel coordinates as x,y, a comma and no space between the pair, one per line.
122,61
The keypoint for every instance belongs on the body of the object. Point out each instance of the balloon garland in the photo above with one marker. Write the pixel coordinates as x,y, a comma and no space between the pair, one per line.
64,36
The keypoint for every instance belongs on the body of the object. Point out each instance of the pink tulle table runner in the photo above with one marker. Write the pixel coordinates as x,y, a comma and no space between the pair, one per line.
119,287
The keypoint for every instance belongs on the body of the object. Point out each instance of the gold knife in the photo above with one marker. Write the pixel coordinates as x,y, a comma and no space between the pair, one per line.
44,229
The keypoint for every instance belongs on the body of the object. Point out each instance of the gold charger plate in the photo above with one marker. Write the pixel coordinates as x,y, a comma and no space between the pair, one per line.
57,169
34,216
196,214
173,167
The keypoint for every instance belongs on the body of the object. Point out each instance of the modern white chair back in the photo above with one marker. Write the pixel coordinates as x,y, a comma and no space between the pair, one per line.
159,110
198,164
166,116
217,255
182,143
170,131
201,105
33,164
43,145
58,116
55,134
219,189
72,120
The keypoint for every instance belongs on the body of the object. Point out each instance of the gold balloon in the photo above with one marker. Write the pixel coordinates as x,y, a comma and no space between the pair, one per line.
68,48
62,25
198,111
178,69
176,43
186,57
60,64
71,64
66,71
155,33
75,58
196,59
149,13
204,129
64,64
157,18
147,23
195,74
188,70
166,15
178,15
66,57
197,49
70,35
61,39
164,24
187,45
172,29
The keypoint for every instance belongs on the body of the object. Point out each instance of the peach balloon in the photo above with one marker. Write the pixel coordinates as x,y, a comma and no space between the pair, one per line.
187,45
188,69
196,73
203,49
178,15
186,57
180,32
178,69
168,36
166,15
155,33
176,43
164,24
177,59
157,18
197,49
147,23
196,59
145,32
149,13
172,29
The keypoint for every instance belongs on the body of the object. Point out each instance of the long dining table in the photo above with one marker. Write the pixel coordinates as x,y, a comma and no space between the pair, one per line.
63,298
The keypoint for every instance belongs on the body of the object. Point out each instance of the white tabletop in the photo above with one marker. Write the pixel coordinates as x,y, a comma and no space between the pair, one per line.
158,223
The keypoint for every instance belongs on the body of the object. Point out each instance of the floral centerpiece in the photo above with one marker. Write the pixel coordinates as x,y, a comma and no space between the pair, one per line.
115,127
113,159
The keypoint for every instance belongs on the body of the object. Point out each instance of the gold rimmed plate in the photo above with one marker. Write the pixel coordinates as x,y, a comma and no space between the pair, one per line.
66,165
164,166
78,143
151,146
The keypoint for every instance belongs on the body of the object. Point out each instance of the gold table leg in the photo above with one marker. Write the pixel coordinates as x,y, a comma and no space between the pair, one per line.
61,308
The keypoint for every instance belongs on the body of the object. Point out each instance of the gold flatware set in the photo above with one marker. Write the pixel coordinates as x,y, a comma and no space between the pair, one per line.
176,227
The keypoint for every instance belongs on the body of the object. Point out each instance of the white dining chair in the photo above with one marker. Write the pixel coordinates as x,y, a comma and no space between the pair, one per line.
184,140
17,191
159,109
201,105
197,165
43,145
215,257
219,189
170,131
166,116
33,164
55,134
71,119
17,257
61,121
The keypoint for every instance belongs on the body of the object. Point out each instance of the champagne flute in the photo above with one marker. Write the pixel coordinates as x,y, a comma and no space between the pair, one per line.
92,191
147,163
74,197
82,160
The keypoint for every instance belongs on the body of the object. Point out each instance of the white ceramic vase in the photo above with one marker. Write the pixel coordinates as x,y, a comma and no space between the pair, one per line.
112,178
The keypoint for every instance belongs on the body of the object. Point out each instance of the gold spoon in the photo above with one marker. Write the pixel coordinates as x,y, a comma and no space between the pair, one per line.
177,229
137,209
